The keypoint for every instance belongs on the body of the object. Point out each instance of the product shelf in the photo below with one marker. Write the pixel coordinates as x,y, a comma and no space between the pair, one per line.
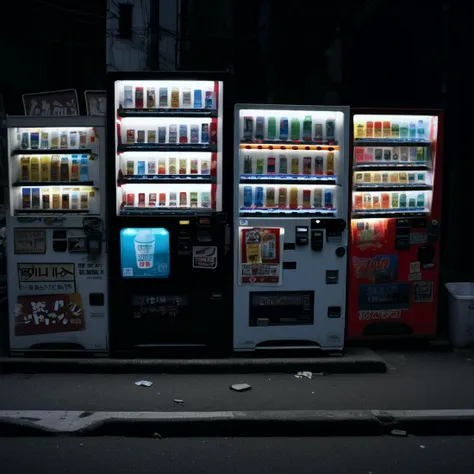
287,145
167,112
52,211
168,179
392,187
279,212
53,151
168,147
388,213
288,179
53,183
391,141
165,211
371,166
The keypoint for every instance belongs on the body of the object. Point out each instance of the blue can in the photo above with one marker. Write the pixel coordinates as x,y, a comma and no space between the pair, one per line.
248,196
328,198
284,128
259,197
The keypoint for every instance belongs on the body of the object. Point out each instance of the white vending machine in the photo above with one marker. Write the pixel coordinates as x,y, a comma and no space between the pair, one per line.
57,272
290,236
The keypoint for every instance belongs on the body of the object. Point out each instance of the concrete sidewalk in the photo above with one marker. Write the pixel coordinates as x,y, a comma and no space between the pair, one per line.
354,360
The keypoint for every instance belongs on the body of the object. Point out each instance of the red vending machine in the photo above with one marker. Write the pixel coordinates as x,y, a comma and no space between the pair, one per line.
395,223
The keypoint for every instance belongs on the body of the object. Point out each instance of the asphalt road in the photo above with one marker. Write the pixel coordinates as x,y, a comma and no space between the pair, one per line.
416,381
430,455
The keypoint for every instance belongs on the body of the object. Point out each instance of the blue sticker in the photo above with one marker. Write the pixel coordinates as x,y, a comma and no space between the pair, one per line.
145,253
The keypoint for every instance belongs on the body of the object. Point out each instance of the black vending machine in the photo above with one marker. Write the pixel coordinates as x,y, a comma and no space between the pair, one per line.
170,154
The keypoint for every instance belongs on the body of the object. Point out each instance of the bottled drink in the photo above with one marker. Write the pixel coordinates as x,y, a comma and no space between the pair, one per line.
404,129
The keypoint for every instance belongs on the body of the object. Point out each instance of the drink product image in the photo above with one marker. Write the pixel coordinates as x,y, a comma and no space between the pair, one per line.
161,134
420,200
270,198
161,166
187,98
139,97
34,169
130,136
293,198
306,199
150,98
377,129
369,129
84,200
65,201
55,160
205,133
248,164
248,128
141,168
56,201
163,97
183,166
420,154
271,165
412,130
260,128
174,97
172,166
271,128
26,198
194,134
377,178
420,129
319,165
358,178
208,101
25,168
360,155
259,167
295,166
395,130
45,199
395,154
283,128
358,202
378,154
395,200
205,200
404,154
193,199
367,201
404,130
173,200
412,202
183,133
360,130
403,178
75,165
128,97
385,201
283,166
34,140
173,134
130,168
152,200
328,198
330,163
45,140
25,141
411,178
141,136
386,129
205,167
197,99
318,132
151,167
63,140
295,129
307,128
403,200
194,166
151,136
36,198
376,201
282,198
330,130
307,165
75,201
394,177
130,199
183,199
318,198
387,154
259,196
367,177
144,245
248,196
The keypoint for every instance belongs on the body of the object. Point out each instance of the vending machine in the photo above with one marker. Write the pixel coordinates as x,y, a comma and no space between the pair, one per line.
57,265
169,254
395,223
290,235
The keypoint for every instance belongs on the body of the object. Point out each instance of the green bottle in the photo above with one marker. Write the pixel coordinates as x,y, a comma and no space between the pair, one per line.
307,128
295,129
271,132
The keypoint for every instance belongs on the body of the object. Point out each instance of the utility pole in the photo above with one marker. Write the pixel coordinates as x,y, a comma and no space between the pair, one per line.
154,44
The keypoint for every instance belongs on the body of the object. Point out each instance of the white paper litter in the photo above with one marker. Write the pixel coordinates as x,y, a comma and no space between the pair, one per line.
144,383
177,400
240,387
304,374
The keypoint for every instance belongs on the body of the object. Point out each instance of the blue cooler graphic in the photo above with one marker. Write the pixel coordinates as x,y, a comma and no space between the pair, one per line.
145,253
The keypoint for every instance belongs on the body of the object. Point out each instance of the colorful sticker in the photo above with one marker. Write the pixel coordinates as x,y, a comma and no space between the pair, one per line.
423,292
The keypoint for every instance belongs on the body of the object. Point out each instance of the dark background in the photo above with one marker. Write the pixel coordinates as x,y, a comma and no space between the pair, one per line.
370,53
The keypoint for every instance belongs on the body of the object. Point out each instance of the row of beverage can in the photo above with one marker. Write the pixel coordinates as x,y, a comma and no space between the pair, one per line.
410,154
52,139
134,97
320,165
393,200
171,199
206,133
261,128
170,166
390,129
54,168
55,198
287,198
401,177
